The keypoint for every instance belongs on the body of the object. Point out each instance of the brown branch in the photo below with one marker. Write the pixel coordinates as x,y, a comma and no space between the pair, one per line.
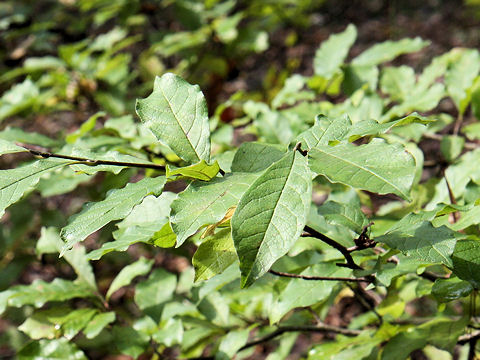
319,278
346,254
466,338
312,328
90,162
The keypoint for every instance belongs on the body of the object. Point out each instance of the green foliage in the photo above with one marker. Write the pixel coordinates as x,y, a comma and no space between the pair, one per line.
207,244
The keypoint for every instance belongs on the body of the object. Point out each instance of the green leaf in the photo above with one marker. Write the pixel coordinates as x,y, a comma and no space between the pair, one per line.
204,204
15,134
324,131
273,126
165,237
292,92
466,261
200,171
176,112
117,205
14,183
40,292
71,322
7,147
85,128
398,82
254,157
423,241
214,255
98,323
271,215
158,288
129,341
451,146
378,167
446,290
51,349
141,267
348,215
461,75
301,293
20,97
332,53
51,243
389,50
231,343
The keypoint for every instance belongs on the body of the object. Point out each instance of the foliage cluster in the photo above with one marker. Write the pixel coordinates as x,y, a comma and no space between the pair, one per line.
336,202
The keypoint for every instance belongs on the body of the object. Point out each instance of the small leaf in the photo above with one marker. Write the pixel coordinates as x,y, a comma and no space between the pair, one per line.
332,53
200,171
141,267
165,237
14,183
214,255
129,341
271,215
378,167
117,205
176,112
347,215
446,290
97,323
451,146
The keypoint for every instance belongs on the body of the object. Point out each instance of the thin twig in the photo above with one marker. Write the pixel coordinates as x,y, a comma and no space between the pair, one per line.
468,144
316,328
432,276
90,162
346,254
464,339
319,278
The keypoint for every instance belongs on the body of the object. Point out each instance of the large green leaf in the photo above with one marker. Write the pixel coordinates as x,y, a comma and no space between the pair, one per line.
117,205
140,267
378,167
389,50
332,53
214,255
204,204
348,215
271,215
14,183
176,112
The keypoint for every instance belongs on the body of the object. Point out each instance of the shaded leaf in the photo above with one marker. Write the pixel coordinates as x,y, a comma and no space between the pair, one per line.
51,349
446,290
158,288
141,267
214,255
97,323
466,261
